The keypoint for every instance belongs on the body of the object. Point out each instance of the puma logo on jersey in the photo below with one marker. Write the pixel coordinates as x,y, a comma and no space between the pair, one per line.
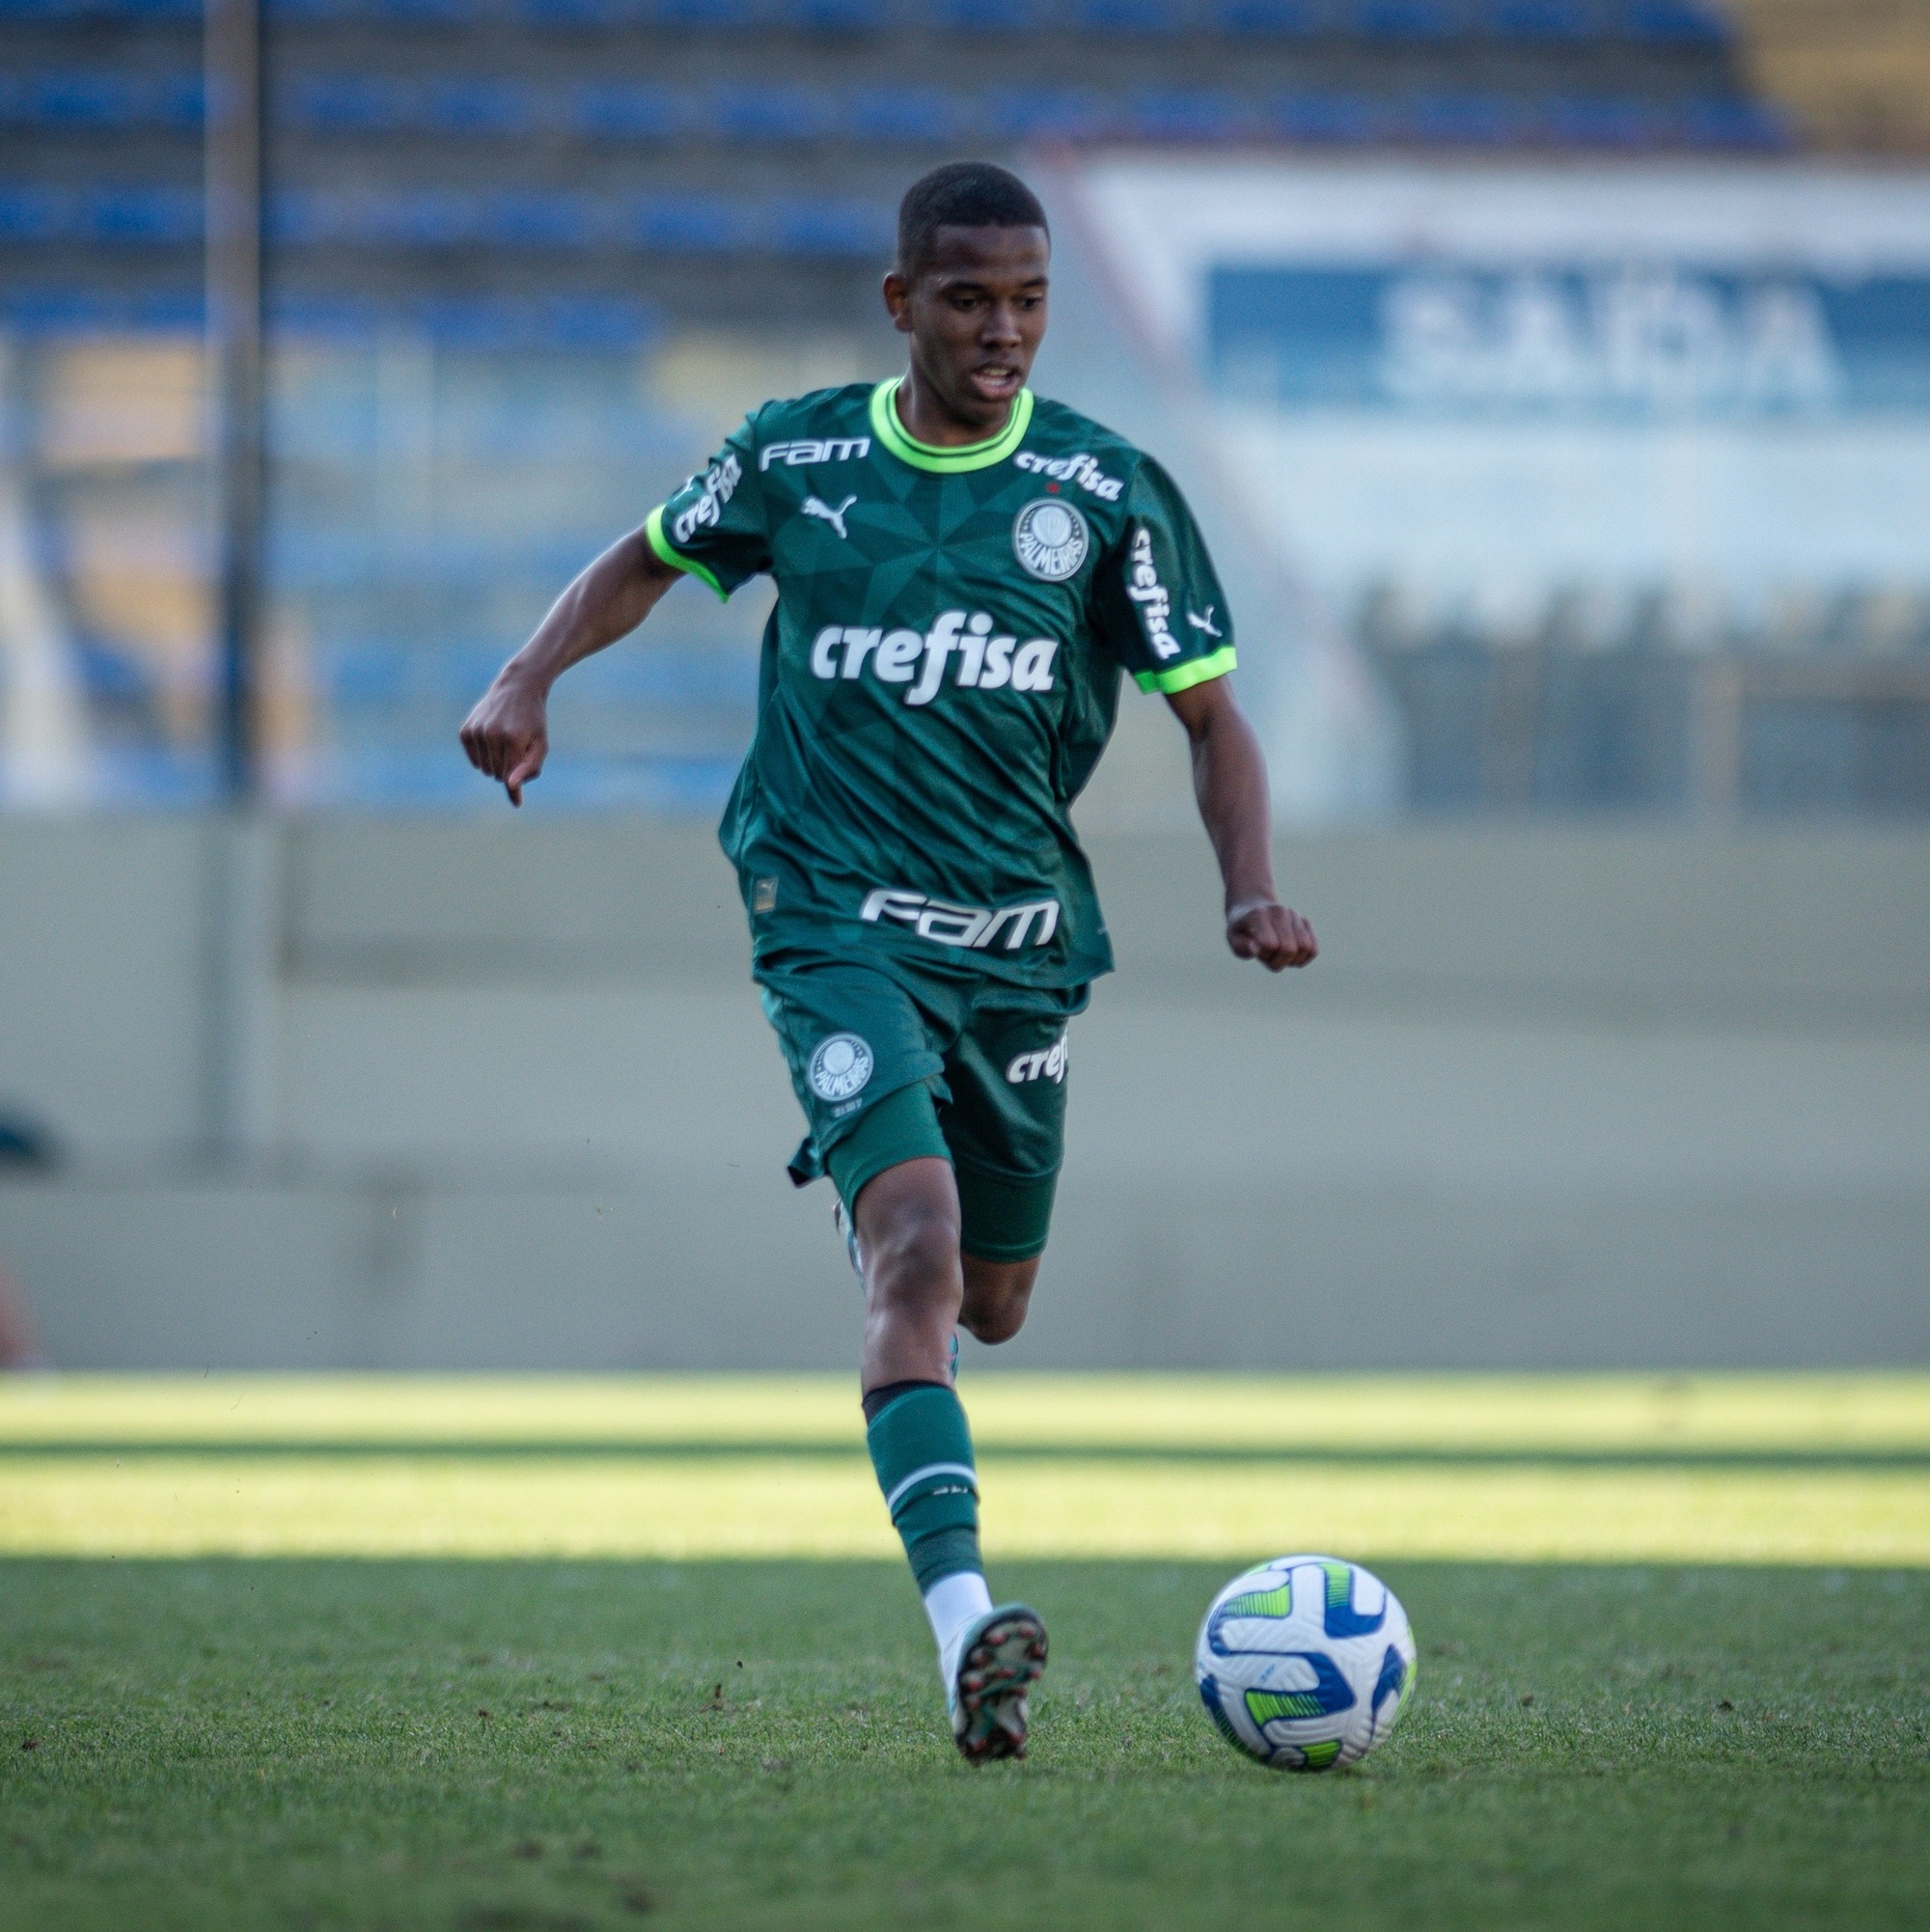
1049,1064
918,659
1207,622
815,506
1149,593
833,450
970,926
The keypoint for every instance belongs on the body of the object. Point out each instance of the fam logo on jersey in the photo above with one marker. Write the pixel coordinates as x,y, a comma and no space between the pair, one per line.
1149,593
1050,539
1079,469
841,1066
720,485
970,926
833,450
1048,1064
987,661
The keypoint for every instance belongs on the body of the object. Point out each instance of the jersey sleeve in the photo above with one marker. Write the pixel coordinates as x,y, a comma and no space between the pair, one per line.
1159,606
714,527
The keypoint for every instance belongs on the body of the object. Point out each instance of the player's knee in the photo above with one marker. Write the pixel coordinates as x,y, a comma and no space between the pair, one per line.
914,1256
997,1298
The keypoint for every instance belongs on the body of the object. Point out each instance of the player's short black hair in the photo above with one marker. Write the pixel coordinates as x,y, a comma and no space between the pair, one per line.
961,194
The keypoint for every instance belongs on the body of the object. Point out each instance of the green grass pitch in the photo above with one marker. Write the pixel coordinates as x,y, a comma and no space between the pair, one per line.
215,1743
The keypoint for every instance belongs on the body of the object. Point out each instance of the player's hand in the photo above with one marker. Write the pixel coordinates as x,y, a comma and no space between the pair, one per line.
1274,934
506,735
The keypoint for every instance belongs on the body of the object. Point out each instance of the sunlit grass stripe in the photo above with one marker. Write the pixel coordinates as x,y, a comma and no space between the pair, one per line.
1862,1414
1207,1454
827,1506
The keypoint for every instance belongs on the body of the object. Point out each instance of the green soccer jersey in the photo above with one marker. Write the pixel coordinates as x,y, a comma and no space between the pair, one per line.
942,669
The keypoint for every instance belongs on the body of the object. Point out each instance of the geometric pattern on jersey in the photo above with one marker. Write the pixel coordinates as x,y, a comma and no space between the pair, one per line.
941,667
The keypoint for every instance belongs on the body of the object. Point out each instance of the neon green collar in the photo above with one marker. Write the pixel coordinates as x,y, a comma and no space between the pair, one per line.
941,459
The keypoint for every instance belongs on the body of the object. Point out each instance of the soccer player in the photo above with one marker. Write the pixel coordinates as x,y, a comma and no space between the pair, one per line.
964,573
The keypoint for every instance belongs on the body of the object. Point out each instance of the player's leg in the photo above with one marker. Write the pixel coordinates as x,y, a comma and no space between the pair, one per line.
864,1060
907,1220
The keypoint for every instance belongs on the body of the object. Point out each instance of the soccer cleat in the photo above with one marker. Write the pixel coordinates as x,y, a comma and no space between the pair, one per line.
849,1233
999,1659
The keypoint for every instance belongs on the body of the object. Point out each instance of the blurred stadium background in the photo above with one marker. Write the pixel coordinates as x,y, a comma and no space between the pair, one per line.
1554,380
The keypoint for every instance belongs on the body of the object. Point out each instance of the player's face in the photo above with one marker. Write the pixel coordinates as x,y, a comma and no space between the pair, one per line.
975,316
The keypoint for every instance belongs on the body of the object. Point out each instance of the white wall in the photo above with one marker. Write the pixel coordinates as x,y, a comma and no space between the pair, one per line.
1549,1097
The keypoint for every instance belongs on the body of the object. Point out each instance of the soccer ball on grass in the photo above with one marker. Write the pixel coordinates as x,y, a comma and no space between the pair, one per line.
1304,1663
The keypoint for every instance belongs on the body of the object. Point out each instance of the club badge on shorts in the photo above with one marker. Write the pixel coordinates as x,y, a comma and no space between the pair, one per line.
1050,539
840,1067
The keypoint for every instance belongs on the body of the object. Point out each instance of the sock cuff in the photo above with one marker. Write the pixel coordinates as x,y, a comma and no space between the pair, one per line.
877,1400
922,1448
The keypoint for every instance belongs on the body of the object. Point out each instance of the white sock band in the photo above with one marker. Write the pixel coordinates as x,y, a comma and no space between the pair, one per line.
953,1604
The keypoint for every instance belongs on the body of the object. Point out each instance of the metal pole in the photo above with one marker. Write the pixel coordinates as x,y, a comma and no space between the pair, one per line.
242,851
232,56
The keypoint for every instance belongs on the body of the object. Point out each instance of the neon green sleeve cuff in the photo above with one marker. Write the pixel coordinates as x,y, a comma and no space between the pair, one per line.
653,528
1183,676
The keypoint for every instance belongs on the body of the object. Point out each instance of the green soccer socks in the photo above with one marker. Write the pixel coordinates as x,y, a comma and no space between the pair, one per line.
922,1450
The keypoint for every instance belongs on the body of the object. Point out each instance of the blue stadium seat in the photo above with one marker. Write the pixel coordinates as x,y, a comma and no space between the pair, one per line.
707,13
1464,120
766,113
1402,19
1129,16
1323,118
138,214
1541,21
478,107
905,114
832,228
353,103
1735,122
1048,114
532,219
687,224
1286,20
34,214
632,110
999,16
837,17
1578,122
97,9
1187,114
84,100
1671,21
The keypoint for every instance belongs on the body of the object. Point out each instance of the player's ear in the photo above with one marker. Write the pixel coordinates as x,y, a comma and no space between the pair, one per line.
897,301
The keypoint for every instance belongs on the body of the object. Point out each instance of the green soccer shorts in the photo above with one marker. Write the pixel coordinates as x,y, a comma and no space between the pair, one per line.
894,1059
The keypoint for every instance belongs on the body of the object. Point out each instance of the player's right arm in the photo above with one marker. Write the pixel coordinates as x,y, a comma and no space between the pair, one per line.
712,529
506,735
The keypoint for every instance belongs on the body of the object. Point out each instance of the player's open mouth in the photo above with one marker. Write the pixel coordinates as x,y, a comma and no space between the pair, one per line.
997,381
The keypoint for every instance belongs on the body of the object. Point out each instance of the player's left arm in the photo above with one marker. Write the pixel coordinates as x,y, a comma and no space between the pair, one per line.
1229,781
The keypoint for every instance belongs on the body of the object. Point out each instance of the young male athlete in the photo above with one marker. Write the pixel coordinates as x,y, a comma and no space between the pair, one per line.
963,572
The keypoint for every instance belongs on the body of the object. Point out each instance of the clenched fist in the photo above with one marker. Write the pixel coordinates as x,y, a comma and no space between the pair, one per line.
506,735
1274,934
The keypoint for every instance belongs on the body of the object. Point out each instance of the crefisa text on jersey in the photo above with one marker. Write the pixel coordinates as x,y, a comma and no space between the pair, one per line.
985,662
1149,593
720,485
1079,469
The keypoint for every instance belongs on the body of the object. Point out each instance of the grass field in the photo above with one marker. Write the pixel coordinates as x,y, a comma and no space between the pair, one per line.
471,1655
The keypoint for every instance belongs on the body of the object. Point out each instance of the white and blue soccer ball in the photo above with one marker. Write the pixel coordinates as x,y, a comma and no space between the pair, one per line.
1304,1663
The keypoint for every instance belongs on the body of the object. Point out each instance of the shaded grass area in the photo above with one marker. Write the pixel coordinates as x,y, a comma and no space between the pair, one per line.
577,1745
